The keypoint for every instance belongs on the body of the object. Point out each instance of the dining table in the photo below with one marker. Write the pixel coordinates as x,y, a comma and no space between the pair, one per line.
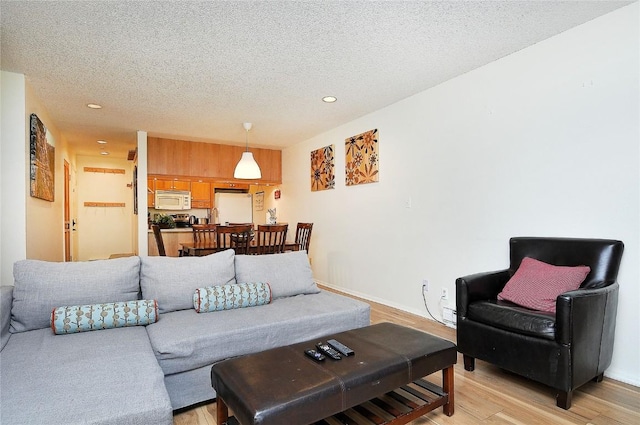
199,249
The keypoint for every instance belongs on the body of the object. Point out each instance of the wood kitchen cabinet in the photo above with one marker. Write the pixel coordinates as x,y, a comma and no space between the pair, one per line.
151,193
270,162
154,183
229,185
200,194
214,162
168,156
172,184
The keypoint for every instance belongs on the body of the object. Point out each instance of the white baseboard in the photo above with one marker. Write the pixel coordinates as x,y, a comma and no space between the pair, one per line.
376,300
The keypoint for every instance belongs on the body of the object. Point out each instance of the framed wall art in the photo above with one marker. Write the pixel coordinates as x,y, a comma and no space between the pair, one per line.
42,162
323,169
361,158
258,201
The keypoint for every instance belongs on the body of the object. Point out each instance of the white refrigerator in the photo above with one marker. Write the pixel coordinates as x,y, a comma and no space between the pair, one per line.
233,208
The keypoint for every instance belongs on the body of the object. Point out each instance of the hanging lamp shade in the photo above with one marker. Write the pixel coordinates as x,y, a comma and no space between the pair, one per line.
247,168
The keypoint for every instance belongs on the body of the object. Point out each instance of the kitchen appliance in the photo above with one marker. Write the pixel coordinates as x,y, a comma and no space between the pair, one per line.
173,200
233,208
181,220
193,220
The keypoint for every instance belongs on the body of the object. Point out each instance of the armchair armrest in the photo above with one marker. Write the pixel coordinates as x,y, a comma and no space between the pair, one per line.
479,286
587,315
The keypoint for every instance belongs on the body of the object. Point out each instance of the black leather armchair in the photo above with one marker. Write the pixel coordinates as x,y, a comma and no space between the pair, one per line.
562,350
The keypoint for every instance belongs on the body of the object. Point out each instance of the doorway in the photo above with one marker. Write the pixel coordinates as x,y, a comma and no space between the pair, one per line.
67,224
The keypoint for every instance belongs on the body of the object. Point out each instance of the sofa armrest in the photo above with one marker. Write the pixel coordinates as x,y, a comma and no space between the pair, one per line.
479,286
6,300
587,316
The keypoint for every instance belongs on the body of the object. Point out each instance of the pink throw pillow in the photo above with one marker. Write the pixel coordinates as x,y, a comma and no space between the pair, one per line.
536,285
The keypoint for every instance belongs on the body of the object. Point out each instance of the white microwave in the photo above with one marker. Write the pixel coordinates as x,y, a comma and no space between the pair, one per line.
172,200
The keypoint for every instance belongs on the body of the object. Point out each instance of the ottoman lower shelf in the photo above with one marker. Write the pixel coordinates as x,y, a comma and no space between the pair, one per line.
394,408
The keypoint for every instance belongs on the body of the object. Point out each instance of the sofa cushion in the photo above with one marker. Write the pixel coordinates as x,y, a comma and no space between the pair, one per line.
108,377
536,284
173,280
41,286
93,317
225,297
288,274
185,340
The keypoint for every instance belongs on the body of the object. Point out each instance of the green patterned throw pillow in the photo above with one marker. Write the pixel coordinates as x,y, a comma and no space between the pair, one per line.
224,297
82,318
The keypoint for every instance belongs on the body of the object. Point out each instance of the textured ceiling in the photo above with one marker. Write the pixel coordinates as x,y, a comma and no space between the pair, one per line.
196,70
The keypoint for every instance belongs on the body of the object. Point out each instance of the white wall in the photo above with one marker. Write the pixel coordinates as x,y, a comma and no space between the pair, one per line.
103,231
45,220
13,184
543,142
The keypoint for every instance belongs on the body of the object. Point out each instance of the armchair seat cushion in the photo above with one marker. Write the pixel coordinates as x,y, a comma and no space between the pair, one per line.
511,317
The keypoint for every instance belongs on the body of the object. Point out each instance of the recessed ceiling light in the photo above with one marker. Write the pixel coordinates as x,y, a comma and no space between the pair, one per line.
104,153
329,99
94,106
102,142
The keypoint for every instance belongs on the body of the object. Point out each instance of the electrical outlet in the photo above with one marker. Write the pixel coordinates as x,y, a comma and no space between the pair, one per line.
425,285
407,203
444,294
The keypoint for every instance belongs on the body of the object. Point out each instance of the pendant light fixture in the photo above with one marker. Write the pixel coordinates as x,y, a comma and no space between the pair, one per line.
247,168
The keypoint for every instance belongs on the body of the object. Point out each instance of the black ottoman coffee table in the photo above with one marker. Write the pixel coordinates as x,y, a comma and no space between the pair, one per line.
381,383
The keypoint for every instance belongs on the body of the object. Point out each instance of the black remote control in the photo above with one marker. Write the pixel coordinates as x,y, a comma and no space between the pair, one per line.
315,355
328,351
343,349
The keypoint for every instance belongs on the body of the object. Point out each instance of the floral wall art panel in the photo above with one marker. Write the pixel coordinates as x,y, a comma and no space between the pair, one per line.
323,169
42,162
361,158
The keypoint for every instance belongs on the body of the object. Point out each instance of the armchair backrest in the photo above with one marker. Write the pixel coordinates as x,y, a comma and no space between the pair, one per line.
602,255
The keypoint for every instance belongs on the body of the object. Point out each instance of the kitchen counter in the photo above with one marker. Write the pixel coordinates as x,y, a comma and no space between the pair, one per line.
175,230
172,238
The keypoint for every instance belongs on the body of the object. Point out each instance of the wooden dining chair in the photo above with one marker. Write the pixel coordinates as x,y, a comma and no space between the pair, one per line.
271,238
159,241
303,236
236,237
204,233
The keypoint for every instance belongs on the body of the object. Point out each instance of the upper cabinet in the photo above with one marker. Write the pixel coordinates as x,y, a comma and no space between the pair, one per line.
208,160
172,184
166,156
200,194
151,192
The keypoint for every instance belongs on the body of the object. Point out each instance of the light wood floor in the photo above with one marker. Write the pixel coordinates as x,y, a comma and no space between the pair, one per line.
492,396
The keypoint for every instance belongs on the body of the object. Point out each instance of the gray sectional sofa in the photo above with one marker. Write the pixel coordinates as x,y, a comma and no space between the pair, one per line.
140,374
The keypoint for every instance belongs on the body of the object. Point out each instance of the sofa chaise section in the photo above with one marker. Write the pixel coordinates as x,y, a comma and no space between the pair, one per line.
101,376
